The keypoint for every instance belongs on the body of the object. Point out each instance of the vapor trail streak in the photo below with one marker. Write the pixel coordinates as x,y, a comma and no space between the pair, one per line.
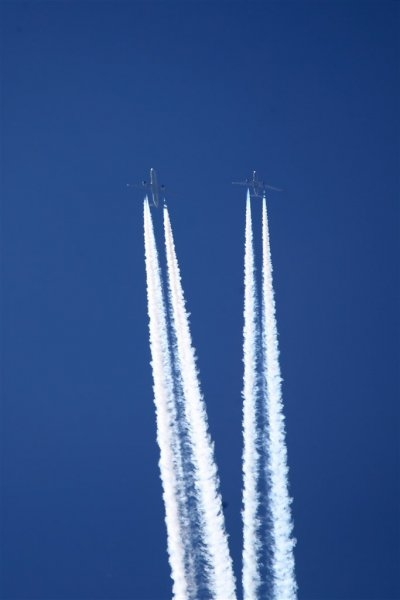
251,457
167,437
284,582
220,572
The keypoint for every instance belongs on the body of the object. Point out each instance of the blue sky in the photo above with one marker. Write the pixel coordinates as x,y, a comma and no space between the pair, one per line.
93,95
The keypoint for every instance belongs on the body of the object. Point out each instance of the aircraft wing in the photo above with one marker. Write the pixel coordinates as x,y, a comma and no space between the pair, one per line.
138,185
270,187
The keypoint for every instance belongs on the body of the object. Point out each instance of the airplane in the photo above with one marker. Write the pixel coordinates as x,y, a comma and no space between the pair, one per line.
257,187
156,190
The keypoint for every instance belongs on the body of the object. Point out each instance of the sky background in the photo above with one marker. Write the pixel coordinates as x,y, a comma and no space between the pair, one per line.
93,94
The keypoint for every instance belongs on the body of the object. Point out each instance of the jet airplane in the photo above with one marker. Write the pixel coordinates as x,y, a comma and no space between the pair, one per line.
256,186
156,190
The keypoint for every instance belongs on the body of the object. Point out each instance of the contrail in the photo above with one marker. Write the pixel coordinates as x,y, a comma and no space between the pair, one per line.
251,579
284,582
219,564
167,435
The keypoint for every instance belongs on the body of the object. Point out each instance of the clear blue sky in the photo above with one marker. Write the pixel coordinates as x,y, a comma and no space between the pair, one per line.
93,95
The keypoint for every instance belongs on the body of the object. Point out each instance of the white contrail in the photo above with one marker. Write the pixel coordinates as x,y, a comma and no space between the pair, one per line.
220,572
284,581
251,458
167,437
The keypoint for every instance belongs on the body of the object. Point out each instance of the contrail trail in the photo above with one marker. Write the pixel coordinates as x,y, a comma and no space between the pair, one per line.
284,582
219,564
167,436
251,457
